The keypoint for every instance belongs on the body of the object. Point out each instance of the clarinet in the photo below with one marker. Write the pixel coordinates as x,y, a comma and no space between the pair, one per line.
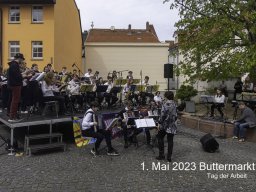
94,120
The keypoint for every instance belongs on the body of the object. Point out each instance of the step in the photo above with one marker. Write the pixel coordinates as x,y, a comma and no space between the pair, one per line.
34,148
42,136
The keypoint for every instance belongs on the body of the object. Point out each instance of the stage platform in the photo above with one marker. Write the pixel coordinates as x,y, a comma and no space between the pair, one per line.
49,120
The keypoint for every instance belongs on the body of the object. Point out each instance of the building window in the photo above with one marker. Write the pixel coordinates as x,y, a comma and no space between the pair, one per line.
14,14
37,14
37,50
14,48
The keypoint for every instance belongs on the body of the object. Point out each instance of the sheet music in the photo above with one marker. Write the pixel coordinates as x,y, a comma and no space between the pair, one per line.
142,123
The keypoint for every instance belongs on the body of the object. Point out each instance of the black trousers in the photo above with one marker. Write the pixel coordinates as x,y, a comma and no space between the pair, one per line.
161,134
99,135
219,107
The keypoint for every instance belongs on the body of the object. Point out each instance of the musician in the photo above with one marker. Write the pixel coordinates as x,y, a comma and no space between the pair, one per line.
89,73
167,126
248,85
223,88
50,68
48,88
91,96
111,98
144,94
158,99
128,92
90,128
238,87
74,91
247,120
74,73
14,83
114,75
34,67
63,71
4,90
129,76
124,114
96,75
219,100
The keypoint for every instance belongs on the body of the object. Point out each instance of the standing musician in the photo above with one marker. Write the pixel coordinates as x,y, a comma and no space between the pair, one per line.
14,83
110,97
90,129
48,88
114,75
219,100
167,126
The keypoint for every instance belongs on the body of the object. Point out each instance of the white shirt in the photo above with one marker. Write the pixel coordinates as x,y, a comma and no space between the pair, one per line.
48,89
87,75
73,87
219,99
110,86
158,98
87,122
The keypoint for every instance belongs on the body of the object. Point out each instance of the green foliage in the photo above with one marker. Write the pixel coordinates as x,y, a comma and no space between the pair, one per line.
216,37
185,92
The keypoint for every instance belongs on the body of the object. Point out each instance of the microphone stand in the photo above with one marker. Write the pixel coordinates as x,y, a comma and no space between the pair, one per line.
79,71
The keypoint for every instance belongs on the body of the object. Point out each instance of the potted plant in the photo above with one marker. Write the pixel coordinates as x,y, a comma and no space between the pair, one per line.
185,93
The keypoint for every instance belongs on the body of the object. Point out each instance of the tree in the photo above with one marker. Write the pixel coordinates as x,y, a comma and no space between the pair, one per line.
216,37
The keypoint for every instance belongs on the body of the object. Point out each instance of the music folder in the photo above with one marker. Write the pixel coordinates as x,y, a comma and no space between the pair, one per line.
101,88
131,120
116,90
144,123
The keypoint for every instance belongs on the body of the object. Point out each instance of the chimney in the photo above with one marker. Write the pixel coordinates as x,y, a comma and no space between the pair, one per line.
147,26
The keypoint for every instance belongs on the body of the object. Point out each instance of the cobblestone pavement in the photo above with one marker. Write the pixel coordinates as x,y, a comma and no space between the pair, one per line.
77,170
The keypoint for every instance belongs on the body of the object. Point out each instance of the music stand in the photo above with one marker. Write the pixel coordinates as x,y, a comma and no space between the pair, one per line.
131,120
133,88
155,88
116,90
206,100
86,88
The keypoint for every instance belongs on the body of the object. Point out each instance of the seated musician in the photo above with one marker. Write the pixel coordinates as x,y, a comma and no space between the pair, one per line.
96,75
89,73
158,99
219,100
123,117
74,73
129,76
114,75
144,94
110,97
128,92
90,129
48,88
74,91
247,120
63,71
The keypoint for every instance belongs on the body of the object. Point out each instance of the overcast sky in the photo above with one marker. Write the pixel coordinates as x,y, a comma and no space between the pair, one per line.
121,13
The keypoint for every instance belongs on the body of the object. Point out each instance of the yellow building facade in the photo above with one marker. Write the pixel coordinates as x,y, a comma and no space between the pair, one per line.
45,31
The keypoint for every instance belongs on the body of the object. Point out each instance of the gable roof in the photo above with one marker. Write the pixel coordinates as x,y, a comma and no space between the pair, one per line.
129,35
27,1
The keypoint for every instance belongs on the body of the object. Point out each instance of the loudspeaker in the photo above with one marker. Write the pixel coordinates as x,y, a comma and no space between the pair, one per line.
209,143
168,70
